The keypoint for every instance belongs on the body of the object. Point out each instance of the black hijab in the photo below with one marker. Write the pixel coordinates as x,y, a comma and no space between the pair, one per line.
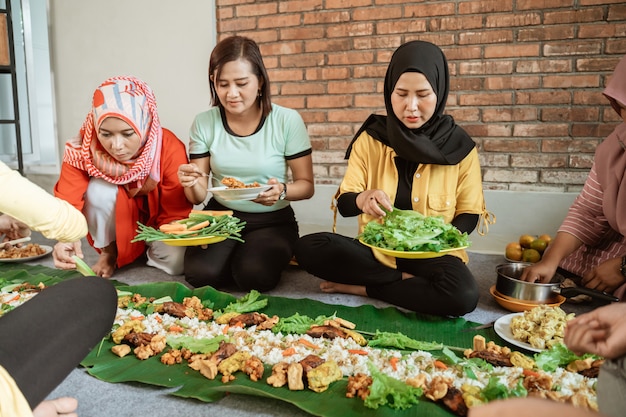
440,140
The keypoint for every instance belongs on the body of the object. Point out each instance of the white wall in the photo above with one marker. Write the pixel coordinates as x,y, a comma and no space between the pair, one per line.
165,43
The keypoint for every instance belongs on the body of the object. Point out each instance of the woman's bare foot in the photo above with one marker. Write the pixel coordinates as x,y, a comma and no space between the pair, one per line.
332,287
106,262
63,406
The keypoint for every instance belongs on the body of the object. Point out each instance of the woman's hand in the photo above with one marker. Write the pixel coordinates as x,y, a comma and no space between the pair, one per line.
63,252
370,202
189,175
601,331
605,277
542,272
270,197
12,228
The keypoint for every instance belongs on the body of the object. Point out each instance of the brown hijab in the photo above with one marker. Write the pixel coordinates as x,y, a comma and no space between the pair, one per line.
440,140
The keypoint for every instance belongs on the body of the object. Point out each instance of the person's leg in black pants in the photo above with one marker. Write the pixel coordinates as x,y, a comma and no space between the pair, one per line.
44,339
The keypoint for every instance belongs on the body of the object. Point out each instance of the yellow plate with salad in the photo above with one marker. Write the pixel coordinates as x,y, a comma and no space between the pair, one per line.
194,241
412,254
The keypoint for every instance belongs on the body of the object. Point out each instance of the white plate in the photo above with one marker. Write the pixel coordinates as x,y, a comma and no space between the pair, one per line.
47,249
250,193
502,326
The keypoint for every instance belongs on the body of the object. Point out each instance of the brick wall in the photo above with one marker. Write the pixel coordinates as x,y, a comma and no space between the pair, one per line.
526,75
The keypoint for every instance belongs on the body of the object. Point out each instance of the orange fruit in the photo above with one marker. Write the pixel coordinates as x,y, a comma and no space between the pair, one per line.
539,245
546,238
513,251
531,255
526,240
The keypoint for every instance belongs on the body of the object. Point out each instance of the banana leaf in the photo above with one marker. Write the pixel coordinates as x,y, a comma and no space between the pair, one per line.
104,365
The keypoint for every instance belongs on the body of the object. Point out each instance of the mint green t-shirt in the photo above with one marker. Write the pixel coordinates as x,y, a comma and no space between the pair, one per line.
258,157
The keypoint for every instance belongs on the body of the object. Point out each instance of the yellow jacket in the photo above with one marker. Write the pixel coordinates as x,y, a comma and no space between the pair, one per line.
437,190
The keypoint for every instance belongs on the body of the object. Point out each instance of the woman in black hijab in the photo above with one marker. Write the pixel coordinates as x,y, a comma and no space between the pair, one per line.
414,158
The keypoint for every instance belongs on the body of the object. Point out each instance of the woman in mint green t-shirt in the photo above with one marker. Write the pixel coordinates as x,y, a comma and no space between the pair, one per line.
246,137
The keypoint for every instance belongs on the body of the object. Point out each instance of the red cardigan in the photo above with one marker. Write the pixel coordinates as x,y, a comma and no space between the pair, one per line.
165,203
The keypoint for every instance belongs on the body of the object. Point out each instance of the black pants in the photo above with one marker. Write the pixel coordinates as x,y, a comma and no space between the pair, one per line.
44,339
441,286
256,264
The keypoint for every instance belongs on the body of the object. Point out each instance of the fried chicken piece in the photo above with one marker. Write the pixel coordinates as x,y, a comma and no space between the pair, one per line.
496,359
196,309
438,388
537,384
294,377
138,338
329,332
359,386
279,375
248,319
224,351
172,357
121,350
454,401
253,367
310,362
173,309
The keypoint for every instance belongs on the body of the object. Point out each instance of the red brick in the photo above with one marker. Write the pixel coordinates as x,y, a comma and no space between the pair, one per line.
349,87
531,161
518,50
301,88
540,130
543,66
428,10
328,102
486,99
302,33
376,13
543,97
572,48
466,84
347,116
596,64
326,73
485,67
285,75
567,114
302,60
350,58
256,9
238,24
462,115
617,12
412,26
456,23
326,17
289,101
282,21
485,6
569,81
300,6
513,20
573,16
510,114
581,161
280,48
546,34
564,177
350,29
486,37
543,4
512,83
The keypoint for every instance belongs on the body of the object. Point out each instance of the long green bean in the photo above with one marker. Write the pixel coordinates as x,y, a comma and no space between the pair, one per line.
226,226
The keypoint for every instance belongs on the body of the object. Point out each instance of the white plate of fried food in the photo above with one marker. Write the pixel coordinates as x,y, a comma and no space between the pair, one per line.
233,189
25,253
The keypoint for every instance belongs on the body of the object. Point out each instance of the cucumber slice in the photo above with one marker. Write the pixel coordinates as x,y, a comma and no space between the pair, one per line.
82,267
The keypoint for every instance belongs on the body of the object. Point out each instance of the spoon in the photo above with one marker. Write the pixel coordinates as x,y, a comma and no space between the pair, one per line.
17,241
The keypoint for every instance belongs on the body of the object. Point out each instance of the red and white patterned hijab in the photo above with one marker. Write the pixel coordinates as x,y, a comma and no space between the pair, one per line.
132,100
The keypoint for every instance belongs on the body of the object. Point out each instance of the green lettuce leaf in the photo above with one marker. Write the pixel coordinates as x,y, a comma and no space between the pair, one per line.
389,391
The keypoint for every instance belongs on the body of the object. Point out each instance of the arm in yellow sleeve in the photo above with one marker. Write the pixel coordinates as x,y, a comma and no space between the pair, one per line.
41,211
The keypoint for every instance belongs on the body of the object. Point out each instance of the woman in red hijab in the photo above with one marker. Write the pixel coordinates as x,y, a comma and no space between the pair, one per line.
121,169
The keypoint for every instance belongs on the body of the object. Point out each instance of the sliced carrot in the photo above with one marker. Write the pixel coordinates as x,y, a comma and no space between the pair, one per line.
238,324
175,328
394,363
158,318
289,351
172,227
528,372
137,318
308,344
357,352
225,329
440,365
200,225
15,298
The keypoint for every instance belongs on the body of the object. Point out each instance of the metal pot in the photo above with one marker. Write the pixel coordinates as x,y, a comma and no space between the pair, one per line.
509,285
